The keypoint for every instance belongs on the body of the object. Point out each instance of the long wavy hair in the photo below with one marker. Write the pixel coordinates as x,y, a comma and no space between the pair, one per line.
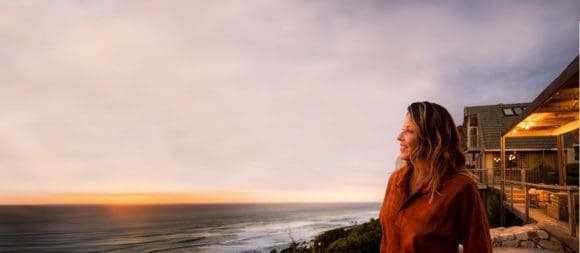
439,145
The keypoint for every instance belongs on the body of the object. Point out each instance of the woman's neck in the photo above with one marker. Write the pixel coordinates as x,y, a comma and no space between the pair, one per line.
420,166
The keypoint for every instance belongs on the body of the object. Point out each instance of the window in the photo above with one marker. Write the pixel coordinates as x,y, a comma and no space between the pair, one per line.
496,167
511,161
472,137
518,110
508,111
472,120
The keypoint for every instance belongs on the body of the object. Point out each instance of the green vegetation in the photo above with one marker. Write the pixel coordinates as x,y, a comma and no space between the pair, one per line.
359,239
363,238
549,175
493,207
572,174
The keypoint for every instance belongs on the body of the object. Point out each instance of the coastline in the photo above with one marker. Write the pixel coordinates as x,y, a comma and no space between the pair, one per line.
364,237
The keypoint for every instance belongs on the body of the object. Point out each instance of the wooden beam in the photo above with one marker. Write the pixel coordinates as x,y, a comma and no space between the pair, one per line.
502,184
572,107
567,128
552,122
529,133
559,126
547,116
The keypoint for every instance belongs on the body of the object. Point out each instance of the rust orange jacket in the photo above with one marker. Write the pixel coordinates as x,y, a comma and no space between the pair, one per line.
455,216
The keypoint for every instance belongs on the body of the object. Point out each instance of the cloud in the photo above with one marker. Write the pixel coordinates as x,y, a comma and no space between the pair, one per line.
188,96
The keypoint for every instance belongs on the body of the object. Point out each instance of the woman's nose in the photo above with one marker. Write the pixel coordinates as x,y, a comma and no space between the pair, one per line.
400,136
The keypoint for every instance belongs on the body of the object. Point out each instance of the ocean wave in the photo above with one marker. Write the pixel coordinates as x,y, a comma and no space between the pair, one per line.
191,240
257,227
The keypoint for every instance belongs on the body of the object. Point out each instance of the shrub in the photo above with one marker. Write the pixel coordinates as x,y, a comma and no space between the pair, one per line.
572,174
362,239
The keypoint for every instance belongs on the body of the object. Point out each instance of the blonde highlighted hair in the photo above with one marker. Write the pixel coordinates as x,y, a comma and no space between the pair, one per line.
439,145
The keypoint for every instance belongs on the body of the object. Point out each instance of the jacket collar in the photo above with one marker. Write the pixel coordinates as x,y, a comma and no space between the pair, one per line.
405,176
405,179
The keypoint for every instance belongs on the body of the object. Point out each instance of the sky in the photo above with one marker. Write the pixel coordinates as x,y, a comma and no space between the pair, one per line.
269,100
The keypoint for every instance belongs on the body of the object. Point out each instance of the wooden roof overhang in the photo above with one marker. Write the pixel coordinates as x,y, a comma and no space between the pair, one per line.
554,112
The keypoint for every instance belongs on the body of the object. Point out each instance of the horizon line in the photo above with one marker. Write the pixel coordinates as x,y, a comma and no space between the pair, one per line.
188,203
179,198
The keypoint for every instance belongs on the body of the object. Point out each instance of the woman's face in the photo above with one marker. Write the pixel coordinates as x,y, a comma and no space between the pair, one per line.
408,138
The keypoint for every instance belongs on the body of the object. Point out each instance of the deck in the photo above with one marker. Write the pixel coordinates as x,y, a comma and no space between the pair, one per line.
557,228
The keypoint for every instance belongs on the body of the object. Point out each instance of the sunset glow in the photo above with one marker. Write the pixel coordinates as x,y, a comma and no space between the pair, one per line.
183,198
158,102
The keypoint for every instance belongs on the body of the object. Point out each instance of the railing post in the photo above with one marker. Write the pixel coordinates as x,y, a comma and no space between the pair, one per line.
561,162
502,182
527,203
523,175
571,212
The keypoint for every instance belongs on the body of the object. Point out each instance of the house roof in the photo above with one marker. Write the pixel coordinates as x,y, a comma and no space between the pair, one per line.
554,111
492,121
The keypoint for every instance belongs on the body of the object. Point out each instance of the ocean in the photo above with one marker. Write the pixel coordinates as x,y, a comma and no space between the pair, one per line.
216,228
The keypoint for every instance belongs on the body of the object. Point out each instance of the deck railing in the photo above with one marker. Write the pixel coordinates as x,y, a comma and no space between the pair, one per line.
525,175
570,190
526,179
493,177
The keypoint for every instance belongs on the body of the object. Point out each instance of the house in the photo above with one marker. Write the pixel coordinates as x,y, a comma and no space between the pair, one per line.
481,131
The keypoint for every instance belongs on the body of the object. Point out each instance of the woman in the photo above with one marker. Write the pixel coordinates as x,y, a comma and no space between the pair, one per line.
432,204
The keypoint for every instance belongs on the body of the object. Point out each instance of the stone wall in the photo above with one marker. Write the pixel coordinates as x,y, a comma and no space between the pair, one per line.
528,236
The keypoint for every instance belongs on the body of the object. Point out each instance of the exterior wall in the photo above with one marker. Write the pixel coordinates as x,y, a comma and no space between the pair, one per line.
570,155
548,158
489,162
526,159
